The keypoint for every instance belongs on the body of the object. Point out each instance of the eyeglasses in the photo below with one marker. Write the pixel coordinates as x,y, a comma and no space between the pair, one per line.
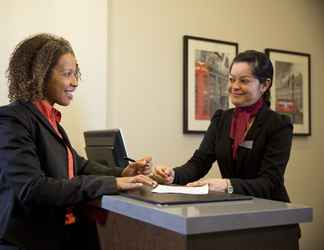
68,73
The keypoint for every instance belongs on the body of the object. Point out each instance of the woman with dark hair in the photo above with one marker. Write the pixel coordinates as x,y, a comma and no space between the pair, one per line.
251,143
42,178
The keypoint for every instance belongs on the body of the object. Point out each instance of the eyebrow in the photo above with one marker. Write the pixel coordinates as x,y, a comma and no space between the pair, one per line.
242,75
65,67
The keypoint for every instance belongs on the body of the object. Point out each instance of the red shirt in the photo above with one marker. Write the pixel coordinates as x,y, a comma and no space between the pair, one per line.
54,117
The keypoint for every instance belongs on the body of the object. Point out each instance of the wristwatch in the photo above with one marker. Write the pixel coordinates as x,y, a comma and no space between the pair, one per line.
230,188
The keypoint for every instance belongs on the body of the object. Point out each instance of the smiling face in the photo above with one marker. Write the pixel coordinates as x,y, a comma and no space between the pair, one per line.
244,89
63,81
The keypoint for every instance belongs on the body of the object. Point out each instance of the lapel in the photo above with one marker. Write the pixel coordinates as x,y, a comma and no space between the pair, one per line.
255,129
64,139
67,142
260,120
64,135
228,141
44,121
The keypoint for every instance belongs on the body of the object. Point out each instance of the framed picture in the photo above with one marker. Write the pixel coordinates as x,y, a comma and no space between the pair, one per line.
290,92
206,65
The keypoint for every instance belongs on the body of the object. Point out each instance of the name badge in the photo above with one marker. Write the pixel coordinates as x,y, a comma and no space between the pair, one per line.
247,144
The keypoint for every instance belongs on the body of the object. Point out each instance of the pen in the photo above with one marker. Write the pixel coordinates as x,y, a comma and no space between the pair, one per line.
132,160
151,175
129,159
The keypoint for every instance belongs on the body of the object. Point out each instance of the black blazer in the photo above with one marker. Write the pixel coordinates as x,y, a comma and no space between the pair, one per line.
261,160
34,186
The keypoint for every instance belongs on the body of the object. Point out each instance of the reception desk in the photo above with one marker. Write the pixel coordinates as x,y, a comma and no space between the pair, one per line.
258,224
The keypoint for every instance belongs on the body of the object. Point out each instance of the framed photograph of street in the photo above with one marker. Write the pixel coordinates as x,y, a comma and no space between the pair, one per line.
290,92
206,65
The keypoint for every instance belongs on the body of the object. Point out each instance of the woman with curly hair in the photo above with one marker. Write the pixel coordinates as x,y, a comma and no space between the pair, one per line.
42,178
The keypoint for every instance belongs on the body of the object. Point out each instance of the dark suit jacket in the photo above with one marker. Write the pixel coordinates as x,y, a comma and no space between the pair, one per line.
34,186
261,161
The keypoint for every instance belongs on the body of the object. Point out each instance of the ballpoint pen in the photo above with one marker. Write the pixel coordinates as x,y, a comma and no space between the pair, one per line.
132,160
129,159
152,176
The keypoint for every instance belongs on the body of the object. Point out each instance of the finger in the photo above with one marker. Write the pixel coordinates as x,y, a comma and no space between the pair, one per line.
147,171
165,172
147,159
139,164
169,180
158,178
130,185
149,164
145,180
143,164
196,184
135,165
158,172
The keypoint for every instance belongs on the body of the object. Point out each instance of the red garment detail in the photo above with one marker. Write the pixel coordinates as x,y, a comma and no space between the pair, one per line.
54,117
240,121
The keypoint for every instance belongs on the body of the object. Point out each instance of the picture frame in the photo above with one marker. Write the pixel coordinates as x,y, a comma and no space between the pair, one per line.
206,64
290,91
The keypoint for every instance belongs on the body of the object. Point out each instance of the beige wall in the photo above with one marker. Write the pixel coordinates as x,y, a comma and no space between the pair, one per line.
138,86
145,80
84,24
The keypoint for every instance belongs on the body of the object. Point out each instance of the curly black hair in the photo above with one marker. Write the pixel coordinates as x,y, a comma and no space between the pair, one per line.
31,64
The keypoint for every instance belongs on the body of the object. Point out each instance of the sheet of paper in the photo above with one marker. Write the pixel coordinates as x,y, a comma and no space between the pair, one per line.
163,189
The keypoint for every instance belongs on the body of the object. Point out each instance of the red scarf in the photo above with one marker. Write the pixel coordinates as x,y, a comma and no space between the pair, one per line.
240,121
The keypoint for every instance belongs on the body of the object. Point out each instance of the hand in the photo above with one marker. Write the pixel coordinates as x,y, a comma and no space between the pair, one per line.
127,183
214,184
163,174
143,166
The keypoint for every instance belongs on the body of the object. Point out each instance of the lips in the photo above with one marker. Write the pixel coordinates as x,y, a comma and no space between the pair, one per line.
69,93
237,94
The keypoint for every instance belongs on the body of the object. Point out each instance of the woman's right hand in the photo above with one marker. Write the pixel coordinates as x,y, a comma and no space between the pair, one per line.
127,183
163,174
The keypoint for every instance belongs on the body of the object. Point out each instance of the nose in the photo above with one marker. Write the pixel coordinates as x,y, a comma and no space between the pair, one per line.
74,81
234,85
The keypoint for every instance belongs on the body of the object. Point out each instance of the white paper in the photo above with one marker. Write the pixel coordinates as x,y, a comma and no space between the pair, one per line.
163,189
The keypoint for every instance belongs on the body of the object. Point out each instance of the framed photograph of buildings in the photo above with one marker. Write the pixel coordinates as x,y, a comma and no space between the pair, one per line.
290,92
206,65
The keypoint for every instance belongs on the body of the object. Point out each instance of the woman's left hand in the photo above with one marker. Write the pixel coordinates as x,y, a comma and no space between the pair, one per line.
142,166
214,184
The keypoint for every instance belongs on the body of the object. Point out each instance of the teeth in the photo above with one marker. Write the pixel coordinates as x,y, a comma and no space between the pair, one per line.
69,93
